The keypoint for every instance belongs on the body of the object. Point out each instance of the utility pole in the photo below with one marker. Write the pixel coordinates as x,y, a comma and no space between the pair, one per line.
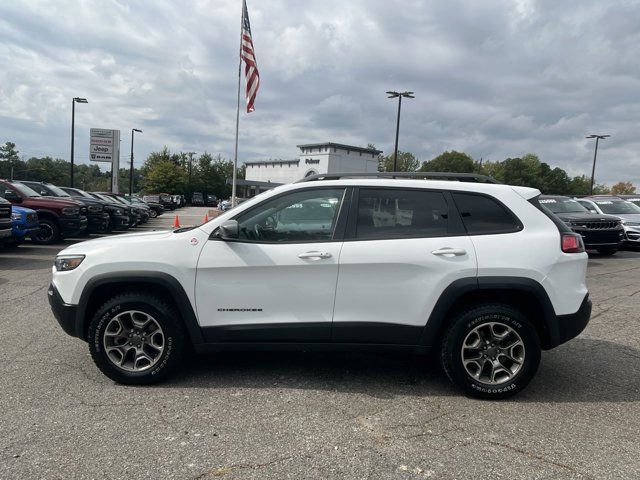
73,126
595,155
131,167
399,95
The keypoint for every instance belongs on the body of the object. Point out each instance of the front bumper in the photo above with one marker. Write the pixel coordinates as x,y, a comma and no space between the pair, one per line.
65,314
97,222
5,232
21,231
632,235
570,326
72,226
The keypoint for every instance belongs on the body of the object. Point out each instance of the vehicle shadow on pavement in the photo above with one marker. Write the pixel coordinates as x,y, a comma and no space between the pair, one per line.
587,370
583,370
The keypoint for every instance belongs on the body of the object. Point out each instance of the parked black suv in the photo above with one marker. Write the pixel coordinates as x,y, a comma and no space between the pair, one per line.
134,219
603,233
118,216
98,219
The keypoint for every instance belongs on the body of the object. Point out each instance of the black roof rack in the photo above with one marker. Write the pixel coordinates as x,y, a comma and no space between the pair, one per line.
461,177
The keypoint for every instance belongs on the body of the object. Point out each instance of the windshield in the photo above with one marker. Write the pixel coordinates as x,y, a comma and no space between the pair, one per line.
57,191
84,194
102,197
24,190
563,205
635,201
123,200
617,207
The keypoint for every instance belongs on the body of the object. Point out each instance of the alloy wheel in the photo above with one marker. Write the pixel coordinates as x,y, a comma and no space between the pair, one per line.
134,341
493,353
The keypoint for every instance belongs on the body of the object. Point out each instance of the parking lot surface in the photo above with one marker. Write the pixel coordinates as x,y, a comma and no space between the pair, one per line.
313,415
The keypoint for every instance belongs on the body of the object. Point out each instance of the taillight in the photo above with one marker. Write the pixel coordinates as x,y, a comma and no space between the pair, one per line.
572,243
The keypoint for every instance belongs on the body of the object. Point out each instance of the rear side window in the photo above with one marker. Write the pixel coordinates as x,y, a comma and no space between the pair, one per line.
482,215
397,213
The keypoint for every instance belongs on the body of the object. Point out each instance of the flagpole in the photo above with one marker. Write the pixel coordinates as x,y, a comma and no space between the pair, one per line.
235,152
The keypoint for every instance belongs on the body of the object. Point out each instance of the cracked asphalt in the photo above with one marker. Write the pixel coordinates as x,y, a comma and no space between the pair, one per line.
313,415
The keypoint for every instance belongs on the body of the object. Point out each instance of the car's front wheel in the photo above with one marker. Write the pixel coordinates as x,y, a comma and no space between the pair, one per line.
491,351
153,213
136,338
48,234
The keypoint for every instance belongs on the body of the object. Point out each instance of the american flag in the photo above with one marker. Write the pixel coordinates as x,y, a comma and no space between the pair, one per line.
247,54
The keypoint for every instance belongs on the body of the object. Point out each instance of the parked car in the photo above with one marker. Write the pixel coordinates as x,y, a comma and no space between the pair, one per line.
197,200
58,217
5,220
142,209
480,273
118,216
603,233
628,212
155,209
224,205
212,201
635,199
93,209
24,224
134,218
167,201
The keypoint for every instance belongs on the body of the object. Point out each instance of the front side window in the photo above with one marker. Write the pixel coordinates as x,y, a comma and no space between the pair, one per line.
396,213
483,215
304,216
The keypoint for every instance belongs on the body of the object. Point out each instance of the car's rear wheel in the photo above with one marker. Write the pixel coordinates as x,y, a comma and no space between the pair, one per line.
48,234
491,351
136,338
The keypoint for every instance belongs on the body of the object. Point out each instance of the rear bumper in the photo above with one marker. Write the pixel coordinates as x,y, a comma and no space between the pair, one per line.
566,327
65,314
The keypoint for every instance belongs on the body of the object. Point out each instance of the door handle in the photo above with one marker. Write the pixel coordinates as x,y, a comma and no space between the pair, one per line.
449,251
315,254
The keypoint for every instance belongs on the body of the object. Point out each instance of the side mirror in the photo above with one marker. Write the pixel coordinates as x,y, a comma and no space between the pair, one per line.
229,230
12,196
592,210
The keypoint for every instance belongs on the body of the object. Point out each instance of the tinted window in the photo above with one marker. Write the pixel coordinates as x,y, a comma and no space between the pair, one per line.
484,215
304,216
396,213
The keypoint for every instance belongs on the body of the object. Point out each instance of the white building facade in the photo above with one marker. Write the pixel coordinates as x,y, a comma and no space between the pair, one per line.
314,158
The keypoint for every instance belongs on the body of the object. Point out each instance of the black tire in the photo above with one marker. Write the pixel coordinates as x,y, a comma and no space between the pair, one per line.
172,329
153,213
49,232
452,350
607,251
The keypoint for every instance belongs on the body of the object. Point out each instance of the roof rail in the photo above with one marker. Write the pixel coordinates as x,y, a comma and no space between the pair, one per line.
461,177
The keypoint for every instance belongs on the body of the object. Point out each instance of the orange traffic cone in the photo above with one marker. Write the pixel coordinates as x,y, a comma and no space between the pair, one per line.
176,222
206,217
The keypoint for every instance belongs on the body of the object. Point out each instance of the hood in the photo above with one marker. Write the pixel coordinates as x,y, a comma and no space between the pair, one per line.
48,202
586,216
117,241
632,217
18,208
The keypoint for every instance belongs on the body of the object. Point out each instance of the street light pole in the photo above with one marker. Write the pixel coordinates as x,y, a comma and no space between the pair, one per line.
393,94
73,126
595,155
131,168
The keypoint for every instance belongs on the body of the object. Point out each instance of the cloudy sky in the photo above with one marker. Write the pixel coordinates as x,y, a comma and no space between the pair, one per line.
492,78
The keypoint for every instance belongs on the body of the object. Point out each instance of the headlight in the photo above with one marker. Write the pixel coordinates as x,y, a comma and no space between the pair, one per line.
17,216
630,224
64,263
95,208
71,211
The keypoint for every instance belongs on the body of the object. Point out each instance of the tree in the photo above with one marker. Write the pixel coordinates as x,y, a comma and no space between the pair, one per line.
623,188
407,162
458,162
9,154
164,172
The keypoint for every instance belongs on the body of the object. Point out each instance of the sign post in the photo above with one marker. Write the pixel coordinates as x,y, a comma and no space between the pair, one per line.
104,146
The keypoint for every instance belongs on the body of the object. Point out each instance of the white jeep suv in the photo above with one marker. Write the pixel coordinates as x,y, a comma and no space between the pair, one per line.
478,272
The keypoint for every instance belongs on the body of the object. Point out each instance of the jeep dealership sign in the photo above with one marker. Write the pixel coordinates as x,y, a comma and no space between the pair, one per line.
104,146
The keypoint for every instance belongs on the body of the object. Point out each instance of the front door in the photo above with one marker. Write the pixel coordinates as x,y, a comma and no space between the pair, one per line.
402,249
277,281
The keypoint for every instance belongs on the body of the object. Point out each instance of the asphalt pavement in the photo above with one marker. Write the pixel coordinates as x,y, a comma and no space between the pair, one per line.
313,415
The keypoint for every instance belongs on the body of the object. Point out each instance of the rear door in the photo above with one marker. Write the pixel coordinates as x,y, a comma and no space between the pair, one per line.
402,248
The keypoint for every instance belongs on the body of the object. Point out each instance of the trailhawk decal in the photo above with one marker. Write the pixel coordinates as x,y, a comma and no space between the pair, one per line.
239,309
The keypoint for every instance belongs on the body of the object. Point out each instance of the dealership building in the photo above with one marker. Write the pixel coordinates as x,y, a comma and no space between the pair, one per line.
313,159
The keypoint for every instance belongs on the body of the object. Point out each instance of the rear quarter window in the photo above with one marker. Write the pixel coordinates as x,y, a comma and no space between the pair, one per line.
484,215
